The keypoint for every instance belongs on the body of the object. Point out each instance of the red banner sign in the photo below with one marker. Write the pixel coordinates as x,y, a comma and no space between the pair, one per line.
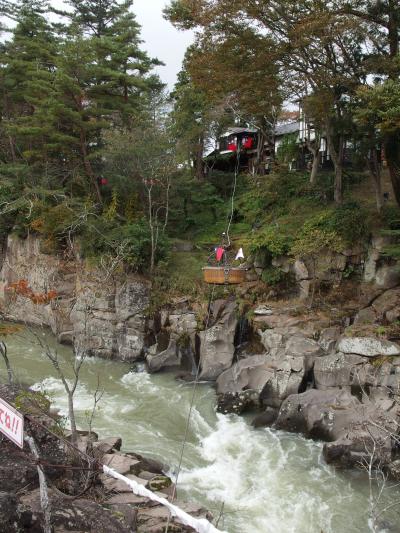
11,423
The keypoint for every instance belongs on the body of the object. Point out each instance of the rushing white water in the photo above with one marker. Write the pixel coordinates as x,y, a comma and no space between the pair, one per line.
268,481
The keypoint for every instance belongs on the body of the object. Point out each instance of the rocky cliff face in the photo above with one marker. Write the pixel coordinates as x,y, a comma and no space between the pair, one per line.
323,382
368,261
104,317
107,317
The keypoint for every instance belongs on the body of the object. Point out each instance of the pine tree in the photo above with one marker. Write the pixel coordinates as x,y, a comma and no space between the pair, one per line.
121,65
27,73
102,78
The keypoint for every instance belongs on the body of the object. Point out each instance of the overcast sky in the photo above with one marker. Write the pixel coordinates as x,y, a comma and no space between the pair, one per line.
161,39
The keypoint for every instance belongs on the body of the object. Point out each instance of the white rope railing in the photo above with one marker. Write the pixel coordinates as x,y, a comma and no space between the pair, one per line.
201,525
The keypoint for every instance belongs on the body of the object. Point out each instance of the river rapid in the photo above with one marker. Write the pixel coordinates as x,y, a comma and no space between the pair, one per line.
268,481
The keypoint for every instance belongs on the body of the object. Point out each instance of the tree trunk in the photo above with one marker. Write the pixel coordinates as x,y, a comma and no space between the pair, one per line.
88,167
71,414
337,160
260,151
393,32
12,148
314,148
10,373
375,171
392,153
44,495
315,167
151,227
198,162
338,187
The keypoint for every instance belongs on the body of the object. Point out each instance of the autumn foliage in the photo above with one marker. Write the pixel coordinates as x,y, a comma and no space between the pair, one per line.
21,288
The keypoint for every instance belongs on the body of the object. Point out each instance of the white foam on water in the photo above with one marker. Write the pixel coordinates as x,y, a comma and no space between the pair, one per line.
83,398
264,481
139,381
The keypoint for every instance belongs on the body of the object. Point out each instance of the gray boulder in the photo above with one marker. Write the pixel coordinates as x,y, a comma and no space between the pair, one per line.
328,338
239,387
383,375
367,315
287,378
387,276
122,463
217,344
250,373
260,379
368,346
300,346
168,358
385,308
387,305
77,516
335,370
272,339
312,413
184,323
350,427
266,418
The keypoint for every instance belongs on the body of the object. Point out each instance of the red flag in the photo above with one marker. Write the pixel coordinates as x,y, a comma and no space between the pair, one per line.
219,253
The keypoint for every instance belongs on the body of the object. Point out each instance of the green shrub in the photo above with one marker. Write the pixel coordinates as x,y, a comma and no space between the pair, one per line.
272,276
317,234
272,240
350,222
7,213
391,217
131,242
347,222
136,240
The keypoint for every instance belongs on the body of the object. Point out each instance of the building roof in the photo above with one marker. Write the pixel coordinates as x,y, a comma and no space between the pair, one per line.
236,130
284,129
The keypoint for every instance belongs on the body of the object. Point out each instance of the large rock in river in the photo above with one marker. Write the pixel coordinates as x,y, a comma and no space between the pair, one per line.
250,373
260,380
168,358
351,428
217,344
239,387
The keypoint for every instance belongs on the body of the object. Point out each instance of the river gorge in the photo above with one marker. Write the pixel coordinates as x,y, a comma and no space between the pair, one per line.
268,480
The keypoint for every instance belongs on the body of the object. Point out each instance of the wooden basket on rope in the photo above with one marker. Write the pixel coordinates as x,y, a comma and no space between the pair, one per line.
224,275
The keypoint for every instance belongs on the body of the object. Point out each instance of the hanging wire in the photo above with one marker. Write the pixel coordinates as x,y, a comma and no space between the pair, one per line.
233,195
195,384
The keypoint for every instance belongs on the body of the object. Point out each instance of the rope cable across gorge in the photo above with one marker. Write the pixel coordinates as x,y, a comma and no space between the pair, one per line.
196,380
233,196
187,427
